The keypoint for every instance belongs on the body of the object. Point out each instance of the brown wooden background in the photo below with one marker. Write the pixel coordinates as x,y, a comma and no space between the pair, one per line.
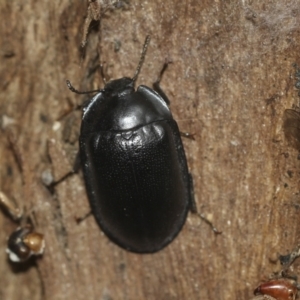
230,81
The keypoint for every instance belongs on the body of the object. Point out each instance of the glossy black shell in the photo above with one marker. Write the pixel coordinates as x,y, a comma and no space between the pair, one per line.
134,167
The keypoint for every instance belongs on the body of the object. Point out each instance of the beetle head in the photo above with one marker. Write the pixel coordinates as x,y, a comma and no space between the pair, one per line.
119,87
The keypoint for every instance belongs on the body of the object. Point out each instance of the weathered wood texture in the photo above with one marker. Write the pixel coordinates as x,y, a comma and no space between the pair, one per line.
230,81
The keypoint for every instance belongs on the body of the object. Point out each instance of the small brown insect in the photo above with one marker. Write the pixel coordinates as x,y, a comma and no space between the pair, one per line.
24,243
278,289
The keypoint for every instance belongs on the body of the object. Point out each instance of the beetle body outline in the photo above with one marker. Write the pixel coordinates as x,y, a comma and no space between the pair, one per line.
134,165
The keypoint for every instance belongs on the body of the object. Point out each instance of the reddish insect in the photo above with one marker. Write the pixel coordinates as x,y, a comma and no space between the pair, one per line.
278,289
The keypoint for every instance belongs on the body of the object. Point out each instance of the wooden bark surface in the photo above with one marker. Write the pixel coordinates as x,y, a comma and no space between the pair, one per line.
230,81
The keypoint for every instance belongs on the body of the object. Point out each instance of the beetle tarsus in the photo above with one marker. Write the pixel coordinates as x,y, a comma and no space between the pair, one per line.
214,229
188,135
80,219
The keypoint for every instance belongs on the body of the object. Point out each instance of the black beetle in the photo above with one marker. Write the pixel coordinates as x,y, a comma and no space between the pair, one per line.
134,165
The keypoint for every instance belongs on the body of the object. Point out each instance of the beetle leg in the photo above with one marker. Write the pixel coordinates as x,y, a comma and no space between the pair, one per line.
193,206
188,135
103,74
80,219
156,84
194,210
214,229
159,90
52,185
56,152
75,169
77,162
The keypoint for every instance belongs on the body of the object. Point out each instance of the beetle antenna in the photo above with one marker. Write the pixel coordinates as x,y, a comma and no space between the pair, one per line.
146,44
70,86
